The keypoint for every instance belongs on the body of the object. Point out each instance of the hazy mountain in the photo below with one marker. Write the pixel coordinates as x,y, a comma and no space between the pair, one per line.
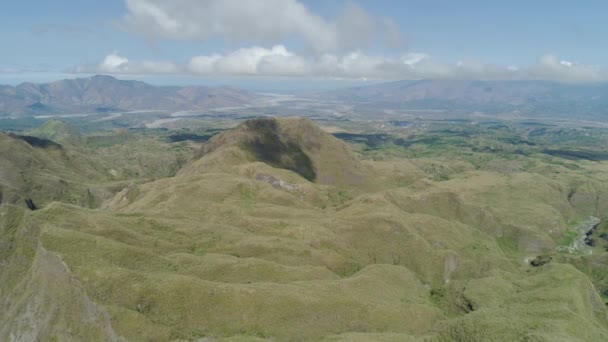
106,93
531,97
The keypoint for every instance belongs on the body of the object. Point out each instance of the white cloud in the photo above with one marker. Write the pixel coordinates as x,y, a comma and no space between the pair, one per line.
279,61
414,58
114,63
275,61
117,64
259,22
338,47
551,67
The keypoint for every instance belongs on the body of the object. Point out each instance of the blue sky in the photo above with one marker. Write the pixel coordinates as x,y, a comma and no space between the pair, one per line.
298,41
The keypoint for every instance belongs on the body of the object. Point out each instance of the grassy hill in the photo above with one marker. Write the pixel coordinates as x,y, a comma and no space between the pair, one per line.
81,170
314,242
44,171
293,144
58,131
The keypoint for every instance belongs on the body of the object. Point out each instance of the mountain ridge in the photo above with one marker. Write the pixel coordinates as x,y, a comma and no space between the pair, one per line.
533,97
102,93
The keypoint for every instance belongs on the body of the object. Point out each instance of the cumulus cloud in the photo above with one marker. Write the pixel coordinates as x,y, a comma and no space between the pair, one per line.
338,47
275,61
551,67
117,64
114,63
279,61
259,22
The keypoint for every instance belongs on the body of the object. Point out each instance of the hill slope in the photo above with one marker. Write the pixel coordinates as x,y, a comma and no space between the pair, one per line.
43,170
58,131
78,169
239,245
293,144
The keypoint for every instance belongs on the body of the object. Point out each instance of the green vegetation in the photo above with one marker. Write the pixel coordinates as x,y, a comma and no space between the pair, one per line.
57,131
442,232
568,238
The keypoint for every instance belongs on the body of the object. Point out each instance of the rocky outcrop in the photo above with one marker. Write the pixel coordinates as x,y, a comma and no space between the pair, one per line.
276,183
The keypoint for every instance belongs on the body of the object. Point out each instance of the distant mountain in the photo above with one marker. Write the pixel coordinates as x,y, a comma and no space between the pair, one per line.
106,93
494,97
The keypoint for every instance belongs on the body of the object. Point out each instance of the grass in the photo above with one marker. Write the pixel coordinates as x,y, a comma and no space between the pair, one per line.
428,248
569,236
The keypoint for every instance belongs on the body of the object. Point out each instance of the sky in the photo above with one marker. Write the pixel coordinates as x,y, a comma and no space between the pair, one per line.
300,43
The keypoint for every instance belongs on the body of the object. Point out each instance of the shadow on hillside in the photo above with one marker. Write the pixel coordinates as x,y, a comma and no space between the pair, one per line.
268,147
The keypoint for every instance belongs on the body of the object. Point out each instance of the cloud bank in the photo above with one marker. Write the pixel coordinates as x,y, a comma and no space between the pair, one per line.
279,61
335,48
259,22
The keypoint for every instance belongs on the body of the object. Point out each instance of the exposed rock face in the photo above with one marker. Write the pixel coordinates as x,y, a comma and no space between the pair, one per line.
449,266
580,243
277,183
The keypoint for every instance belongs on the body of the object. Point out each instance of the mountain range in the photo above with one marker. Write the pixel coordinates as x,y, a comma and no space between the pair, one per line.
106,93
534,98
101,94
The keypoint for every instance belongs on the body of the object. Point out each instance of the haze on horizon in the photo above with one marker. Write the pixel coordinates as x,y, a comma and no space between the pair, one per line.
303,43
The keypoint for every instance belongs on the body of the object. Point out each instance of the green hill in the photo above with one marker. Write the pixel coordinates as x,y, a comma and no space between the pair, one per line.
81,170
57,131
293,144
310,242
45,171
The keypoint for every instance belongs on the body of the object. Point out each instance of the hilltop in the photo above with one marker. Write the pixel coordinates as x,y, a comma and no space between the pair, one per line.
293,144
57,130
